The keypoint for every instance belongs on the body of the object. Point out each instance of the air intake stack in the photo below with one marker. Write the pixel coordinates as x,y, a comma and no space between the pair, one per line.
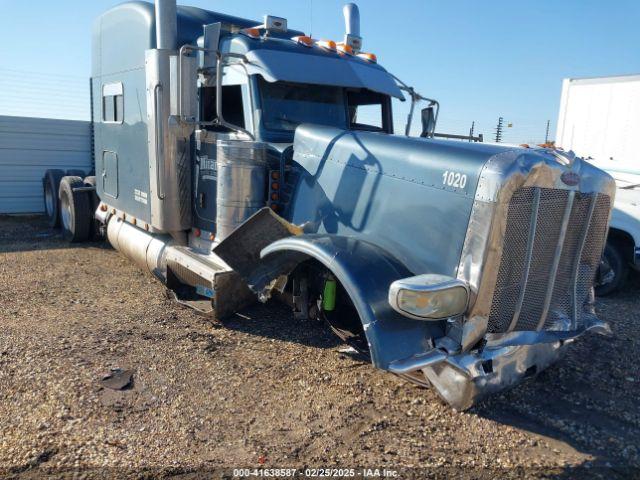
352,25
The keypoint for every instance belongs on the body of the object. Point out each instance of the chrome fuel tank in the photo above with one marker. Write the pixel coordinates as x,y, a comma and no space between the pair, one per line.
241,188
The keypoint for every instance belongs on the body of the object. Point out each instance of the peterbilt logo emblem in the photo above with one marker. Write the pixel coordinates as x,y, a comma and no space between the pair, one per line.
570,178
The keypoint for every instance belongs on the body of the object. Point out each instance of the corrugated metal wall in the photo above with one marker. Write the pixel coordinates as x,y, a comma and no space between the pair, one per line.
28,147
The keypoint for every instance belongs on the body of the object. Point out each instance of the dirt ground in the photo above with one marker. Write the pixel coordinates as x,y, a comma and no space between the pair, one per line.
265,391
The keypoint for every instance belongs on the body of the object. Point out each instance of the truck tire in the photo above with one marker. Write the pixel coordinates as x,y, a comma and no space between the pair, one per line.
95,201
50,187
75,210
96,233
612,272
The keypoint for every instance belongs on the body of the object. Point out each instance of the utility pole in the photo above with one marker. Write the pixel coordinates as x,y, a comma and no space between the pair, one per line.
473,124
546,135
498,137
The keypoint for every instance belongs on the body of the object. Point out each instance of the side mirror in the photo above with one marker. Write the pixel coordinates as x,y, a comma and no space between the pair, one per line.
428,122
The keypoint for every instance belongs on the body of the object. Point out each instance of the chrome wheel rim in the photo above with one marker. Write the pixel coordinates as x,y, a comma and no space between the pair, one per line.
65,212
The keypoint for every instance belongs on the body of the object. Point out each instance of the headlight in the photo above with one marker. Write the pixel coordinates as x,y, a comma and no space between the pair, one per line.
429,297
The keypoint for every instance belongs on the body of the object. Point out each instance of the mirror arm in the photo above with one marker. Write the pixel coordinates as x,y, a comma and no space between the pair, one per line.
219,118
433,103
415,98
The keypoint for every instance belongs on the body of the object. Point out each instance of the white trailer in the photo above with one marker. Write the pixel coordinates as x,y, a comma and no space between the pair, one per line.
599,120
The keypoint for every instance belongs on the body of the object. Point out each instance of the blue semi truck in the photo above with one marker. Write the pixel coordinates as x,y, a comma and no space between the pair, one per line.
238,160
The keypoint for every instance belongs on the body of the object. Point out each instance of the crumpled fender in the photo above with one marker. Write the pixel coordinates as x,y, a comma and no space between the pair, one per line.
365,271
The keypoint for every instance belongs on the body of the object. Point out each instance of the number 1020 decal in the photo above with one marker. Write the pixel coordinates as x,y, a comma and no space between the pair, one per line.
454,179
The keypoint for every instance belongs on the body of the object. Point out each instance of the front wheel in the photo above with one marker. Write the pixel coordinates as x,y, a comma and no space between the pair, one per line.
75,210
612,271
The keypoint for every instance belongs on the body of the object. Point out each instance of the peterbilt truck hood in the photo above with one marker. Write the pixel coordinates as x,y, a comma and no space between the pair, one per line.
411,196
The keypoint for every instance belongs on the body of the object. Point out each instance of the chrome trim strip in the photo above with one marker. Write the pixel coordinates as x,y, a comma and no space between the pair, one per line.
530,241
576,262
556,259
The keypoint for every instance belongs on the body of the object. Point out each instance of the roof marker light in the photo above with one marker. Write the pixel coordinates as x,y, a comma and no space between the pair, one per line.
369,57
345,49
303,40
327,44
251,32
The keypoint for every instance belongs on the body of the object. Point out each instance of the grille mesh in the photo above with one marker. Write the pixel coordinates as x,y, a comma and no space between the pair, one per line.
576,268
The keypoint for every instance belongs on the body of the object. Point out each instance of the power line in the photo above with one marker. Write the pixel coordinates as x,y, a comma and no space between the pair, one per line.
546,135
499,127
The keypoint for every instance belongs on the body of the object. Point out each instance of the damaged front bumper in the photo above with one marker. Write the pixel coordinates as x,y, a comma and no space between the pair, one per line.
463,379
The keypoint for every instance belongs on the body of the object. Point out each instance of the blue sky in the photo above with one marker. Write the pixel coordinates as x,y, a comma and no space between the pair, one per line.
481,60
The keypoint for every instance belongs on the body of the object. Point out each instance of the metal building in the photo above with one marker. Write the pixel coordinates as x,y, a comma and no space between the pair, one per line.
28,147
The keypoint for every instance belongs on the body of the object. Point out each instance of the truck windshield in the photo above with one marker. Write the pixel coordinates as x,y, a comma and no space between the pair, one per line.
287,105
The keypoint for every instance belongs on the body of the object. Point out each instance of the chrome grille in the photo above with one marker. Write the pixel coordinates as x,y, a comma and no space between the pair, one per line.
551,250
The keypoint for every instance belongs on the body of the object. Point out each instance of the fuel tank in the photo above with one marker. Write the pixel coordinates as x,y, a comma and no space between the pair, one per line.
410,196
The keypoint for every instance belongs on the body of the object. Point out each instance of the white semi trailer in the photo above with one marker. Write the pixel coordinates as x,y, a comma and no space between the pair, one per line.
599,120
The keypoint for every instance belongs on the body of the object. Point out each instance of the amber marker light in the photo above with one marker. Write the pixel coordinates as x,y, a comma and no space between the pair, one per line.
327,44
346,49
303,40
251,32
369,57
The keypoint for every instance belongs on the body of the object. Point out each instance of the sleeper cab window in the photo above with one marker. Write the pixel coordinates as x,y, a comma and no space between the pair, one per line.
112,103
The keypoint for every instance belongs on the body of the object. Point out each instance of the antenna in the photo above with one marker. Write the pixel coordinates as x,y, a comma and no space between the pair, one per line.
311,19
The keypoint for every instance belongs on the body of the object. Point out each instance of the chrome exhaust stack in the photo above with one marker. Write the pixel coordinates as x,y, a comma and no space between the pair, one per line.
166,25
168,140
352,26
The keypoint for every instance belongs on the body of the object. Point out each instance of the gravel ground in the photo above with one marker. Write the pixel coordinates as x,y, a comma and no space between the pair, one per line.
265,391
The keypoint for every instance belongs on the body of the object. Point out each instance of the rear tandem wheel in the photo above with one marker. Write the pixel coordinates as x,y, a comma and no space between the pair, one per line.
75,210
50,187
